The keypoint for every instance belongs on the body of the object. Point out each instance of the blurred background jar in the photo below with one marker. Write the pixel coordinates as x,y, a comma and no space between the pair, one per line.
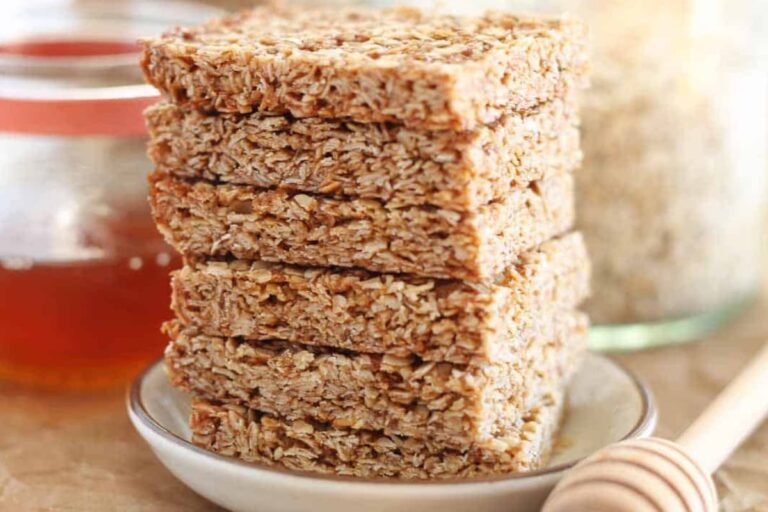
83,272
672,191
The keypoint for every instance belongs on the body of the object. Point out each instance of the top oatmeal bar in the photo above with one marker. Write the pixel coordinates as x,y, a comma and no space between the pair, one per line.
429,71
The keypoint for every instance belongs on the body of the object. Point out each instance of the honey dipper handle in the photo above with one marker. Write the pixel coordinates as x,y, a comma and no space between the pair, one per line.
731,417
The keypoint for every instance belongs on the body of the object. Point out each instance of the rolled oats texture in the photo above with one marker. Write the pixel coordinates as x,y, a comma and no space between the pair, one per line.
302,445
420,69
399,315
201,219
402,166
449,403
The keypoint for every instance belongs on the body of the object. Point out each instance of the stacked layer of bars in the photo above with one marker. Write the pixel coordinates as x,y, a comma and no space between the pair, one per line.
374,209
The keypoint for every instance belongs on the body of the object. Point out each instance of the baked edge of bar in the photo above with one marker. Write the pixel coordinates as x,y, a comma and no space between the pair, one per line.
207,220
392,314
454,170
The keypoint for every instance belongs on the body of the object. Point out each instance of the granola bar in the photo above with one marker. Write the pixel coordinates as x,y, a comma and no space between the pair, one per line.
303,445
394,314
397,395
455,170
275,225
421,69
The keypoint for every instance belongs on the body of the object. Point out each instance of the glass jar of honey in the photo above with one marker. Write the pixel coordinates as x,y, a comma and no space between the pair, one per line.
83,273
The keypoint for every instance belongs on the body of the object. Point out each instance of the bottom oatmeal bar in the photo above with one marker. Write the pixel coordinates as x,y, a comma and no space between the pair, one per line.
237,431
454,403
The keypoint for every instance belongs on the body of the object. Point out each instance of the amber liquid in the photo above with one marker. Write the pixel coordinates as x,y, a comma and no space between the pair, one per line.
82,325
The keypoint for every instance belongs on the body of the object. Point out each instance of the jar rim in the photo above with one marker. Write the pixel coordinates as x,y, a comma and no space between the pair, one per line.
108,24
92,110
73,69
111,111
49,50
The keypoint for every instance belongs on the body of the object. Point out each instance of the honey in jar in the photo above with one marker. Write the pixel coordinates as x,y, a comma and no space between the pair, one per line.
83,272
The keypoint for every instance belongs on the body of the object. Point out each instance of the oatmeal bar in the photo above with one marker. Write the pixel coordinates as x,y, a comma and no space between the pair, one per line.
394,314
454,170
397,395
202,219
305,445
421,69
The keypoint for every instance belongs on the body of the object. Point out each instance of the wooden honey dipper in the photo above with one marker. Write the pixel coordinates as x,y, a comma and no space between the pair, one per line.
656,475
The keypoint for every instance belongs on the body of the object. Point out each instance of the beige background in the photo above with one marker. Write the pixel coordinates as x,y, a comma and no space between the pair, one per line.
71,453
75,453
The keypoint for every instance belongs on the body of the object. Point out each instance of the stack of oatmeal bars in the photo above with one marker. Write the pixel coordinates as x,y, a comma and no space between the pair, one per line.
374,210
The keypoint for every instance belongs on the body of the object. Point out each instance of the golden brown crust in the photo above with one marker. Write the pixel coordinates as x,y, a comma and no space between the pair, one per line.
427,70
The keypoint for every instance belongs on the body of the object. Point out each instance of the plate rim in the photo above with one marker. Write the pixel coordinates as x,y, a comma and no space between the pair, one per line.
136,409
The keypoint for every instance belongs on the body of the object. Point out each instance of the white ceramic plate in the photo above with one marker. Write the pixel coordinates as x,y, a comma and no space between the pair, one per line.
606,404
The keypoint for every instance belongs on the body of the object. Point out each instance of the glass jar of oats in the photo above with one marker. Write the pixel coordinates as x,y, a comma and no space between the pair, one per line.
672,191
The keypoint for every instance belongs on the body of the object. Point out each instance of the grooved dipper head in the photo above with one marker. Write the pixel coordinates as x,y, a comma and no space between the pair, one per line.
640,475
